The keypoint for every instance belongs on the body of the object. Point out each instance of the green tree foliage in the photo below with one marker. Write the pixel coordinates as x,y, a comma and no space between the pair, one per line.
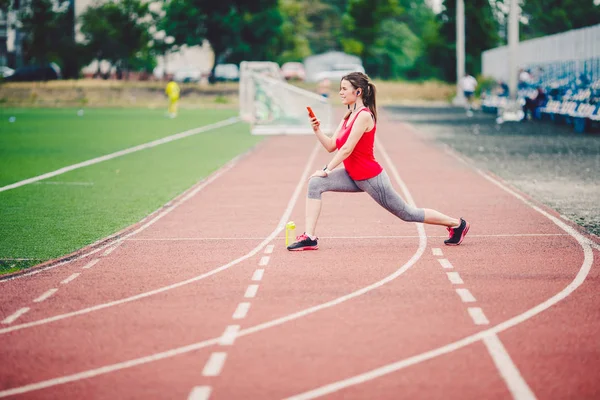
42,23
362,25
117,31
235,29
5,5
295,30
481,33
327,29
395,50
547,17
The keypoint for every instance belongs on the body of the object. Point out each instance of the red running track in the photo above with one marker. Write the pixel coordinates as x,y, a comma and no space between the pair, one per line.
205,302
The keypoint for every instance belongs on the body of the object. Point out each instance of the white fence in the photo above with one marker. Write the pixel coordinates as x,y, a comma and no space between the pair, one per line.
575,45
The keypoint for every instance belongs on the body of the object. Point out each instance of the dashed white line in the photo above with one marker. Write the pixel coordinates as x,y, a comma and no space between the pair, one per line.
241,311
11,318
454,278
509,372
251,291
258,274
91,263
214,365
45,295
465,295
109,250
437,251
478,316
264,260
445,263
69,279
229,335
269,249
200,393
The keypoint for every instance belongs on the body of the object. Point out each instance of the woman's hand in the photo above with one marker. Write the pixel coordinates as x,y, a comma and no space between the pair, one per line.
319,173
315,123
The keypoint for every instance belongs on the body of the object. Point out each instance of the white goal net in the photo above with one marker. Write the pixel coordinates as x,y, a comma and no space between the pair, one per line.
274,107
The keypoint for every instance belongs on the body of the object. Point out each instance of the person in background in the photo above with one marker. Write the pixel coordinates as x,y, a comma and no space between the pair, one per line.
468,84
502,89
323,87
532,103
172,90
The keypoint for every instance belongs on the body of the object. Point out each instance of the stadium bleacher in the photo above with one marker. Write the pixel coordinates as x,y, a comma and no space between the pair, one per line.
572,89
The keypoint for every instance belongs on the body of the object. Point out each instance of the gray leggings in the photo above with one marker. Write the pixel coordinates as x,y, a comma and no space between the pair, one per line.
378,187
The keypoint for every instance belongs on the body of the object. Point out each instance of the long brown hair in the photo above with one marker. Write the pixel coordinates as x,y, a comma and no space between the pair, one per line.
361,81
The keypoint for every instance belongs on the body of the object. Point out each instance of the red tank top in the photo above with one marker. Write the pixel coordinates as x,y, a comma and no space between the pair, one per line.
361,163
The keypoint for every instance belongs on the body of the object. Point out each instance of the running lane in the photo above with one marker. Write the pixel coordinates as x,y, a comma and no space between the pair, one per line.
376,298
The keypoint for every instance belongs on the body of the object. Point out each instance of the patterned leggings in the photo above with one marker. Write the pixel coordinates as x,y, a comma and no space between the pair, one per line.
378,187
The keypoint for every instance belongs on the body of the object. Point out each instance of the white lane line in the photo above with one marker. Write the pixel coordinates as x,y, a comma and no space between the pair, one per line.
515,235
258,274
269,249
241,311
259,247
122,153
200,393
14,316
109,250
214,364
45,295
584,270
445,263
91,263
264,261
465,295
70,278
478,316
455,278
437,251
228,337
251,291
257,328
509,372
152,217
66,183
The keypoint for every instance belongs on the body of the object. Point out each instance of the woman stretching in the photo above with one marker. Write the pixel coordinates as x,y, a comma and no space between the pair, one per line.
353,140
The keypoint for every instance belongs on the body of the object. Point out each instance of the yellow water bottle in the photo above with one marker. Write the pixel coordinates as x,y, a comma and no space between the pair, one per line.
290,230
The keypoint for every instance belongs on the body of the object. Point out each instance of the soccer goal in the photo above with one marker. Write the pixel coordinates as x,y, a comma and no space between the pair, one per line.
274,107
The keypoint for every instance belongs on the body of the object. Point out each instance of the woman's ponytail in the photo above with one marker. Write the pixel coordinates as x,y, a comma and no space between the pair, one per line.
369,99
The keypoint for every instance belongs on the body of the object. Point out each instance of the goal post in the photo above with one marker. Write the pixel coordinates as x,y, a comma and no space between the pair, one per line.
274,107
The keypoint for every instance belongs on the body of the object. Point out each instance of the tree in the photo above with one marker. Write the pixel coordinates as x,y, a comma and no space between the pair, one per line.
117,31
395,50
327,30
362,23
547,17
240,29
295,30
43,22
481,33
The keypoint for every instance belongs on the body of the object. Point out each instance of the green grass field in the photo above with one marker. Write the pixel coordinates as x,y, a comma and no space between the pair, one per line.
56,216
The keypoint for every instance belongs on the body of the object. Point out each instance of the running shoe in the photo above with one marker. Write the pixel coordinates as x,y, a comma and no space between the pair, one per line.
456,235
303,242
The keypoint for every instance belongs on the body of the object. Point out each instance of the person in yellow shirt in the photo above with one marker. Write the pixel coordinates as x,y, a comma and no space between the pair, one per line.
172,92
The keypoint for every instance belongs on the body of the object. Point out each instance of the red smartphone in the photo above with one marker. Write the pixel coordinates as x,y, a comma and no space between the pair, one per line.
310,112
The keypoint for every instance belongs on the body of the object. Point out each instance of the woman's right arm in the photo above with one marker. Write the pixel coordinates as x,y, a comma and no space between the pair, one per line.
326,141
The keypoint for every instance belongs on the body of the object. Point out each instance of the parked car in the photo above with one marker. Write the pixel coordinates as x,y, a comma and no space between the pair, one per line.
227,72
5,72
189,74
293,70
338,71
44,72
